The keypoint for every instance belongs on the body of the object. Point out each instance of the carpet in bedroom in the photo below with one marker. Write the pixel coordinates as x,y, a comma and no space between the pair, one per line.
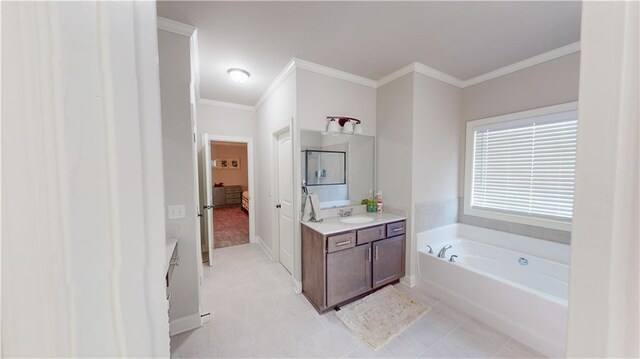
230,226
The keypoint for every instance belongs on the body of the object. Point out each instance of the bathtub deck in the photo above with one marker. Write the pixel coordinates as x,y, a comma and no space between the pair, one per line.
257,314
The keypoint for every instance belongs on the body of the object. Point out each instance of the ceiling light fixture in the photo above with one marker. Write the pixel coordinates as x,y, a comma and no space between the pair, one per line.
238,75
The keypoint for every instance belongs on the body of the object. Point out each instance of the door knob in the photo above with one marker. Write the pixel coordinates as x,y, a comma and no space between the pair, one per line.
278,205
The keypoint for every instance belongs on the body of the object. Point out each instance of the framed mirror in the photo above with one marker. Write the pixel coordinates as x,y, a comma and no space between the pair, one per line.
340,169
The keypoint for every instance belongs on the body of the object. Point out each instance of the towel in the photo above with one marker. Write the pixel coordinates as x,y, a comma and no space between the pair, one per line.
311,208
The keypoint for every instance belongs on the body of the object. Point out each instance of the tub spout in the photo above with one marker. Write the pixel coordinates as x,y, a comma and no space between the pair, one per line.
430,249
452,258
442,252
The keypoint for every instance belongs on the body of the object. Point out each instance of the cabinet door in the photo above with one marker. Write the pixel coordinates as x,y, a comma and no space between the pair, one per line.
388,260
348,273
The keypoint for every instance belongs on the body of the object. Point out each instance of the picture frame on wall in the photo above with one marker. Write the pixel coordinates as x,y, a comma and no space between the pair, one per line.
225,163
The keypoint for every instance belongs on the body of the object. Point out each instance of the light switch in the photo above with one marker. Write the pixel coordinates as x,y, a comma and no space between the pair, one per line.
177,211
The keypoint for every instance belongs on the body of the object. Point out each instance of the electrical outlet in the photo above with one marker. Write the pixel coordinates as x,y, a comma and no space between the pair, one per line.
177,211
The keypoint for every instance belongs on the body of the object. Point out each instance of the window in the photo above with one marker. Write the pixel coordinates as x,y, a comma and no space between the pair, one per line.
521,167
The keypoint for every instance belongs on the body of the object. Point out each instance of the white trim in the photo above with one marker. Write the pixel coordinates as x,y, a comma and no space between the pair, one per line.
437,75
408,281
236,106
282,76
297,286
184,324
520,65
251,175
264,247
397,74
468,168
338,74
175,27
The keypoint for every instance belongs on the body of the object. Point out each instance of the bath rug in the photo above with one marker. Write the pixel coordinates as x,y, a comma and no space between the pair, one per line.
381,316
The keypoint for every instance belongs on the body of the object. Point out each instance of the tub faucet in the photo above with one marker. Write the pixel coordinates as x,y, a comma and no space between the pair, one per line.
430,249
452,258
442,252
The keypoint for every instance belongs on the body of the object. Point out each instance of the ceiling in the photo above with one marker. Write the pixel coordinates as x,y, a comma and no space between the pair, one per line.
369,39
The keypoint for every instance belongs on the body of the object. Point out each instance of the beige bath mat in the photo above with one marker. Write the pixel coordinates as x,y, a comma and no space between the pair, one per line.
381,316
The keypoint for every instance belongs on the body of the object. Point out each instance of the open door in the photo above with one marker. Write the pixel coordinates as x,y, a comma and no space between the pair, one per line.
208,192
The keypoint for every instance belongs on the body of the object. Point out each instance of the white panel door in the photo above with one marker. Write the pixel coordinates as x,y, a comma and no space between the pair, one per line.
285,200
207,206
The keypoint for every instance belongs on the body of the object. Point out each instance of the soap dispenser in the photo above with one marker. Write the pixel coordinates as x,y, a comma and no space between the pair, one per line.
379,202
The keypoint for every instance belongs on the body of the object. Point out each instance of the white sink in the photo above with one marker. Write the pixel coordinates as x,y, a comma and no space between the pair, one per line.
354,220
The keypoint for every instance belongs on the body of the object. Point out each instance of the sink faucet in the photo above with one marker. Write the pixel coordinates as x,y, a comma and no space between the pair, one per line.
430,249
453,258
442,252
345,212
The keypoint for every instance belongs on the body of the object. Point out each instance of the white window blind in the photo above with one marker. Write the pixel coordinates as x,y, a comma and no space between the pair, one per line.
526,166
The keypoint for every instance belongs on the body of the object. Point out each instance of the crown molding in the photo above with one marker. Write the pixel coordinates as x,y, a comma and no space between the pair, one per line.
437,75
235,106
291,66
328,71
175,27
417,67
520,65
396,74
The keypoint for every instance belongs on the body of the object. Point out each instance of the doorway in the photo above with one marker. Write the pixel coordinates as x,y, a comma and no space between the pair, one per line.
227,186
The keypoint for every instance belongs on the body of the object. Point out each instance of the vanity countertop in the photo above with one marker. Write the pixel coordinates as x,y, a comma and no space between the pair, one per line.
333,225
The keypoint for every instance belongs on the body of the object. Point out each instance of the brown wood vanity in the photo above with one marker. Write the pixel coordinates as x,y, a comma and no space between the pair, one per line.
340,267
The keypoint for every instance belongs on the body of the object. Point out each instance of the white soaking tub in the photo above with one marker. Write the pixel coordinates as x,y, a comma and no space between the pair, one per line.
514,283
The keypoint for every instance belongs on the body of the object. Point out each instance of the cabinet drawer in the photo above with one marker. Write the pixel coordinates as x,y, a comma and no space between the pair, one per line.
341,241
370,234
395,229
233,195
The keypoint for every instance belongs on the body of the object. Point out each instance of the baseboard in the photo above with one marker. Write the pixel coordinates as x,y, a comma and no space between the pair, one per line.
264,246
297,286
409,281
184,324
496,320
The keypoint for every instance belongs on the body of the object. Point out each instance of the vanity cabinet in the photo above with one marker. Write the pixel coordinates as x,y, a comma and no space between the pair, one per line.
338,268
348,274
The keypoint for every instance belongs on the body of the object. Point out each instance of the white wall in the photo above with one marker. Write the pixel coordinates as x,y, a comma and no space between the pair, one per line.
319,96
278,109
394,151
179,173
225,121
418,124
82,222
604,294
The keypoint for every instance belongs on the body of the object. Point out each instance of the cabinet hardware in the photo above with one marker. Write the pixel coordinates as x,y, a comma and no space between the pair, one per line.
369,253
398,229
343,243
376,250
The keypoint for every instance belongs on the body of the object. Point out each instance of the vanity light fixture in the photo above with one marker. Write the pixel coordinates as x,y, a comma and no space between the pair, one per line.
350,126
238,75
333,126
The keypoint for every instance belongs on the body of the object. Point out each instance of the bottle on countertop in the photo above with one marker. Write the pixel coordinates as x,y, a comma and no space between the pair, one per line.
379,202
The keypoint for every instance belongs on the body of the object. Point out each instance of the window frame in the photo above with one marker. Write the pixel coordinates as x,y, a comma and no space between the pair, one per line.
469,160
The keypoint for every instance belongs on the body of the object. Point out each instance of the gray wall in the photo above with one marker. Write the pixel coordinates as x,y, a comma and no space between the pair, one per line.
179,171
550,83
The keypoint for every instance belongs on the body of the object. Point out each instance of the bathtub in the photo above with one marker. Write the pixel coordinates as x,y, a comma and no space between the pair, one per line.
517,284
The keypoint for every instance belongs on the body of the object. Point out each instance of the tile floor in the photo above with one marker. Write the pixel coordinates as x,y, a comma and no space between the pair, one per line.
257,314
